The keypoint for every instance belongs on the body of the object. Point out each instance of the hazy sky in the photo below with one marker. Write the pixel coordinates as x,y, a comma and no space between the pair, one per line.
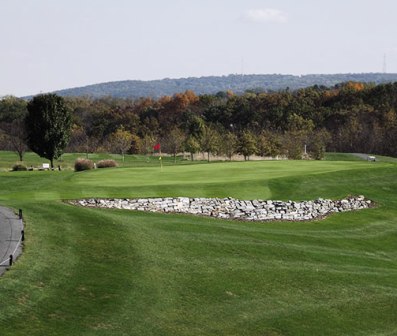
47,45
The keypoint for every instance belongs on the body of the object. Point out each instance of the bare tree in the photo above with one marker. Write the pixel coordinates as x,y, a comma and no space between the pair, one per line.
15,137
173,142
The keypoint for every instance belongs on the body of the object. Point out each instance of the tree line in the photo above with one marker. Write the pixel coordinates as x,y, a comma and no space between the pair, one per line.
349,117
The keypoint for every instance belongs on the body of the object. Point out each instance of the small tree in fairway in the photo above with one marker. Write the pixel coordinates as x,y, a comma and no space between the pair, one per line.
48,126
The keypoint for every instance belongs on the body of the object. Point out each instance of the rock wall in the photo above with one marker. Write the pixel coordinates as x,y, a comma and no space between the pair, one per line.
230,208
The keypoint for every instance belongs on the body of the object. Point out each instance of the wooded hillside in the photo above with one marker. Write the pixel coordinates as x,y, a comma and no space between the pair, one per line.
349,117
213,84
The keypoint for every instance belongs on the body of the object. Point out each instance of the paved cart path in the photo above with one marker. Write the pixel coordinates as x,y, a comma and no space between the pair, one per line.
10,235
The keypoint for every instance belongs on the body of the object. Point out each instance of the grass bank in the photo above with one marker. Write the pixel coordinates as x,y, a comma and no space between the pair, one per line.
113,272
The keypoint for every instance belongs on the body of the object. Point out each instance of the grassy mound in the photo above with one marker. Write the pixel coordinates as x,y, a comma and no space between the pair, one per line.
113,272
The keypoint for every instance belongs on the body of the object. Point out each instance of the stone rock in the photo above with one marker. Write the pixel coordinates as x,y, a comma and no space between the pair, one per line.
252,210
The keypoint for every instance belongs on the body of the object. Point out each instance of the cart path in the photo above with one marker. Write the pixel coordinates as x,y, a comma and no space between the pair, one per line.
10,236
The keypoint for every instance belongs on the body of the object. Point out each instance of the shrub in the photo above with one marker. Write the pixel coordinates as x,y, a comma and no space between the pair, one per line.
83,164
19,167
106,164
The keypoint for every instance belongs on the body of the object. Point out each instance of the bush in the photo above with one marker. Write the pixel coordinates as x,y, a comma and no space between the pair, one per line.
19,167
106,164
83,164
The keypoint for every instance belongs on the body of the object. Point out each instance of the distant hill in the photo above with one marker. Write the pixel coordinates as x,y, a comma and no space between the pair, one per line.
214,84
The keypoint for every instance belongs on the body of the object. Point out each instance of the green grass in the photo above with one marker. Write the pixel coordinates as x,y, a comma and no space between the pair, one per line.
341,157
113,272
66,161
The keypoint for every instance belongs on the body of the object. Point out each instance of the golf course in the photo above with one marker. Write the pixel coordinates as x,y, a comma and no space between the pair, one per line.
87,271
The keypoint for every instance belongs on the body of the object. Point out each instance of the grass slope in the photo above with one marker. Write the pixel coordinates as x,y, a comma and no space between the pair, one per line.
113,272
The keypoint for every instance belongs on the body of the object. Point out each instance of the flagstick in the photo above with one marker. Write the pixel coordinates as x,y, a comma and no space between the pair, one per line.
161,161
158,147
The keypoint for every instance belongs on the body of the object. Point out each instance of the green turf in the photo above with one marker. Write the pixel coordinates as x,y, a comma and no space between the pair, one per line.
66,161
113,272
341,157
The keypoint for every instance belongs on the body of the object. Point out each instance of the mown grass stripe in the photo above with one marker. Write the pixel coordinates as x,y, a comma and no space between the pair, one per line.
99,272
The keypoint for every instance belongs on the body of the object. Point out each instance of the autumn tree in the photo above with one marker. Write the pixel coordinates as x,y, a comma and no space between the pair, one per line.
78,140
147,143
360,118
209,141
120,141
317,144
296,136
193,124
192,145
136,144
173,142
247,144
229,144
173,108
48,126
269,144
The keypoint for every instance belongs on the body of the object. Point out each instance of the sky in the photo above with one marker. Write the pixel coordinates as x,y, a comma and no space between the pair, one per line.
47,45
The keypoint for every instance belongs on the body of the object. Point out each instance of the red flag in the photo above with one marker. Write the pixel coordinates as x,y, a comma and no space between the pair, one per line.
156,147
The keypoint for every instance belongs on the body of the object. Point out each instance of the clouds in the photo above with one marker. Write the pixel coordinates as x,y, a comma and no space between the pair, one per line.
267,15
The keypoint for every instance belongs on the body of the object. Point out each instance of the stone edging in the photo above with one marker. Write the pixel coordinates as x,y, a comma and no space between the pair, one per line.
230,208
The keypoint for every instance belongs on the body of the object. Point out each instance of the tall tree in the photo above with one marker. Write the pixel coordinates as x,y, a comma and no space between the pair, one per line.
48,126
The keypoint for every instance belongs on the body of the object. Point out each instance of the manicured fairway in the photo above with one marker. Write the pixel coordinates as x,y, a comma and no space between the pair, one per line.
113,272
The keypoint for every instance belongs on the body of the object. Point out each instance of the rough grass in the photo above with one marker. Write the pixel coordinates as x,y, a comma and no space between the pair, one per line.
103,272
66,161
